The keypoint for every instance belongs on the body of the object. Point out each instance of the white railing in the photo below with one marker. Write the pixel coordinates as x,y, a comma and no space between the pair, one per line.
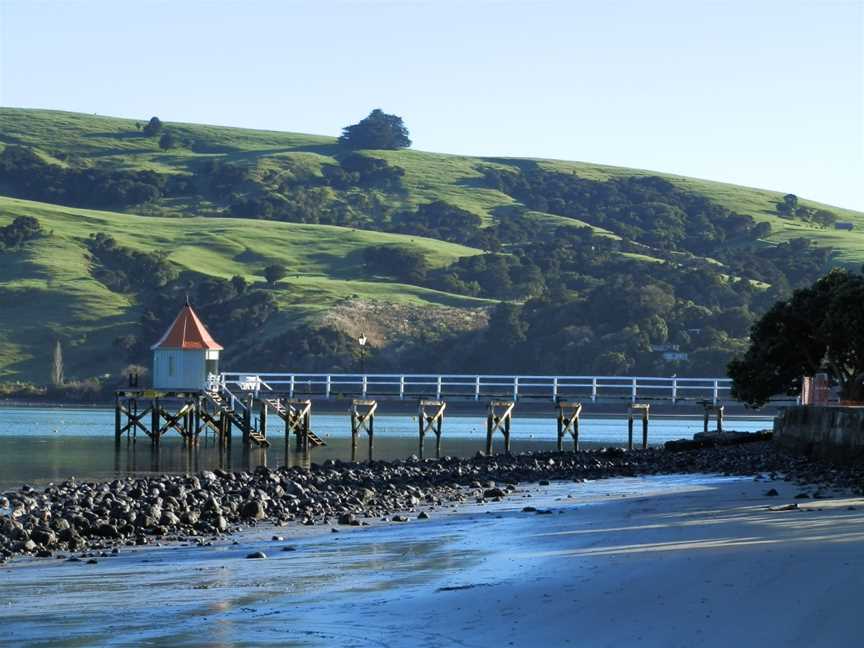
477,387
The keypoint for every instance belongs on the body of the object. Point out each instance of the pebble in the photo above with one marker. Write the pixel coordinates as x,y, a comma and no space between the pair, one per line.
74,516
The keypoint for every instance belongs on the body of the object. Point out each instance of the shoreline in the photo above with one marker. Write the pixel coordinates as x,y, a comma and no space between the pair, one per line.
603,562
101,516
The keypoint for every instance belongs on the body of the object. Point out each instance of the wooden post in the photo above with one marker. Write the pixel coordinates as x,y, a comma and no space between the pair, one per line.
362,421
705,420
645,429
640,409
353,434
117,427
568,421
630,430
262,418
496,421
371,433
507,434
155,423
197,418
433,422
720,411
247,421
560,421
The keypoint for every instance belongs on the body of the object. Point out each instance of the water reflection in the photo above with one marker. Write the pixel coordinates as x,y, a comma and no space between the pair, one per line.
43,445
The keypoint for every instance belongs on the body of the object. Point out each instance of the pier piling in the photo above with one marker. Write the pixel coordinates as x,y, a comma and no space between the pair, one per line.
499,420
568,422
431,422
362,420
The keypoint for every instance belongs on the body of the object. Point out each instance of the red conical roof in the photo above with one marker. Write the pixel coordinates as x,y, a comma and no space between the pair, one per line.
187,332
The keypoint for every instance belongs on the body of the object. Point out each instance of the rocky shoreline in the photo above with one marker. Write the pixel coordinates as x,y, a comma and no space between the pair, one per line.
103,517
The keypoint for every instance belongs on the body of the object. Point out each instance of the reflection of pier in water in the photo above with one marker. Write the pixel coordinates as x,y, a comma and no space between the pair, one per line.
134,459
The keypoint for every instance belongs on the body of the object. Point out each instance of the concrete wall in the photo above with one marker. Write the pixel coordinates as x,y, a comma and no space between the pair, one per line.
830,432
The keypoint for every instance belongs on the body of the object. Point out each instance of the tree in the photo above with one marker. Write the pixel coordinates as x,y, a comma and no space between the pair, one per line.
57,365
820,328
168,141
153,127
377,131
274,273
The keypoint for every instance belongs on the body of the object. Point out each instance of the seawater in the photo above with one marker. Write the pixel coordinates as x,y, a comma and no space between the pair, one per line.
42,445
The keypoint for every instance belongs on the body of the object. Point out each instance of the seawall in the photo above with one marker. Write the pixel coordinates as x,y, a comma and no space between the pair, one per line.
835,433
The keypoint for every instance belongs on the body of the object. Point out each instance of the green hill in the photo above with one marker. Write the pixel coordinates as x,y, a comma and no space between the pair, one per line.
49,289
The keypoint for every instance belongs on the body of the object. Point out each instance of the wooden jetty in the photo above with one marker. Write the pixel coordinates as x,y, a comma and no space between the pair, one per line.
191,397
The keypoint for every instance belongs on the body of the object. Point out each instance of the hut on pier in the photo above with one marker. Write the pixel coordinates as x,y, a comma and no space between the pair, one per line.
185,355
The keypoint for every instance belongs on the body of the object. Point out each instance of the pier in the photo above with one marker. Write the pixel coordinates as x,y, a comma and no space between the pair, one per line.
261,405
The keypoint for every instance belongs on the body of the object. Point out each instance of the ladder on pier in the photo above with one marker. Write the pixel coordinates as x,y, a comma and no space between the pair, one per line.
249,430
284,414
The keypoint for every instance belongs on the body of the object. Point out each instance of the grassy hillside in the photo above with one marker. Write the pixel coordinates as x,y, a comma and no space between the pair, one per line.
47,289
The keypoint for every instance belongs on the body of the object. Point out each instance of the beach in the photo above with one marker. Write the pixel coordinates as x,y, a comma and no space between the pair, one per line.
662,560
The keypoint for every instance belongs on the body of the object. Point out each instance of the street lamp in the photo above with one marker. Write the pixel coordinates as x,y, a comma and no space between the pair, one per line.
362,341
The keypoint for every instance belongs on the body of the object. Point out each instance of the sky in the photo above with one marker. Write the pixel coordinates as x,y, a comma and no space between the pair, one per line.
763,93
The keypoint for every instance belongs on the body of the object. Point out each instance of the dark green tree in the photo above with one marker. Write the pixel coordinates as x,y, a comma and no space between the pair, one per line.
274,272
377,131
168,141
820,328
153,127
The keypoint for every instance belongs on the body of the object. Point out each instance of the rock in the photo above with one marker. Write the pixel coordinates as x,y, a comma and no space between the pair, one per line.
277,538
783,507
771,492
544,482
423,515
489,493
253,509
802,496
43,536
256,555
529,509
289,548
346,518
399,518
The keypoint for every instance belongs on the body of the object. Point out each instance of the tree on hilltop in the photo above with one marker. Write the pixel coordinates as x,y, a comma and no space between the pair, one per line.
377,131
153,127
820,328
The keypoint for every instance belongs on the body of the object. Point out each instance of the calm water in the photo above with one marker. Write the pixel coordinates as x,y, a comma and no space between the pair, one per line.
42,445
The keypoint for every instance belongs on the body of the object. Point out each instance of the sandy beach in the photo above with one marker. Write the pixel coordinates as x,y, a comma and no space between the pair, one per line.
653,561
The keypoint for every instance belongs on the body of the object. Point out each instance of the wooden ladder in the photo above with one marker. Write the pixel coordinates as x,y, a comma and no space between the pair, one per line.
283,413
237,420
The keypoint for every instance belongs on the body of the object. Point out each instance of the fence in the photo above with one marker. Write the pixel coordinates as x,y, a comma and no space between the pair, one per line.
477,387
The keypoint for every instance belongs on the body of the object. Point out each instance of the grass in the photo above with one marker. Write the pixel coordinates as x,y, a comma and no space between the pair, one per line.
46,290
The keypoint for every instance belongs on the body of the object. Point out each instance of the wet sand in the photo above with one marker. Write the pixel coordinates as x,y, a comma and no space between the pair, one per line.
654,561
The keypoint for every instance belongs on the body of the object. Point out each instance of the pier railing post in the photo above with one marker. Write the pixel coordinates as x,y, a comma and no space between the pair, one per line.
594,390
476,388
401,387
633,392
327,388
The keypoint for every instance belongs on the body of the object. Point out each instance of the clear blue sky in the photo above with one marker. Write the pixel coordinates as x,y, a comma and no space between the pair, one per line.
759,92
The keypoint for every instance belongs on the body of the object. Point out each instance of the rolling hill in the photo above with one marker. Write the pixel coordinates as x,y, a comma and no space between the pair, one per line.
49,291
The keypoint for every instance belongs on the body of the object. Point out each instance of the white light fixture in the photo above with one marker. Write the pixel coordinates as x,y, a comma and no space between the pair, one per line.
362,340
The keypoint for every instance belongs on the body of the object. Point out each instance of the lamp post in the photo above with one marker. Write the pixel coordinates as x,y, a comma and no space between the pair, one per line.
362,341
